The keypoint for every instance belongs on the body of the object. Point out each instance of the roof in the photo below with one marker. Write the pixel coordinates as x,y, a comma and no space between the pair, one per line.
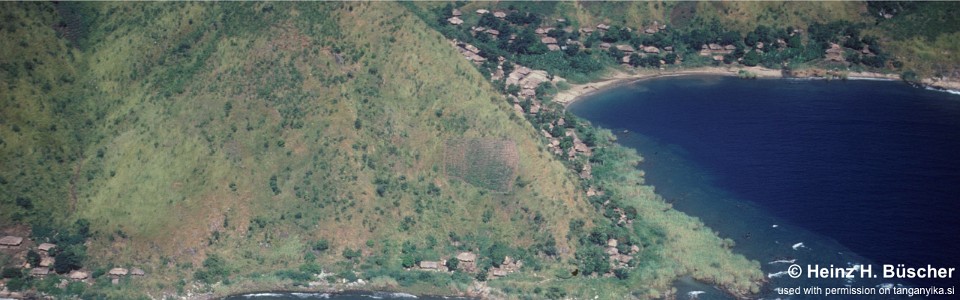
471,48
429,264
47,261
455,21
651,49
625,48
482,11
78,275
602,26
11,241
137,272
548,40
456,12
466,256
500,14
118,271
46,246
39,271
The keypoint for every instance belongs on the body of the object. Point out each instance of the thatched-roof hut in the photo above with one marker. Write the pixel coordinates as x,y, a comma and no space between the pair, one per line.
11,241
118,272
78,275
46,247
39,272
466,256
429,265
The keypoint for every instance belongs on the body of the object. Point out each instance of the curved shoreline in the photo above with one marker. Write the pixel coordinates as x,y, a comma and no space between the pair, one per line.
618,77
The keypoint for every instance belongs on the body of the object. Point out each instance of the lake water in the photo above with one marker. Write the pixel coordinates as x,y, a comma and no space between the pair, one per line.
860,172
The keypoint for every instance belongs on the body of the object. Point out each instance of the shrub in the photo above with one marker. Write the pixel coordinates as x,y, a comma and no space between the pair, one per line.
453,263
214,269
555,293
12,273
18,284
312,268
71,258
321,245
622,274
350,253
33,258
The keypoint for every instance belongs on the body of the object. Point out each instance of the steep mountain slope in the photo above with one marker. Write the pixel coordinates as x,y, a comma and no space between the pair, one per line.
223,142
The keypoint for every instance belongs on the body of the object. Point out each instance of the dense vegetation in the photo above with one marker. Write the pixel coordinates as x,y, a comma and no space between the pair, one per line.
225,147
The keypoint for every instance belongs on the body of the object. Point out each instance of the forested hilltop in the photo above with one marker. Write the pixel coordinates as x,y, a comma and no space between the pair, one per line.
204,149
579,41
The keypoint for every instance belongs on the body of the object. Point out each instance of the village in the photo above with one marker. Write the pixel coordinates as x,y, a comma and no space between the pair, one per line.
25,250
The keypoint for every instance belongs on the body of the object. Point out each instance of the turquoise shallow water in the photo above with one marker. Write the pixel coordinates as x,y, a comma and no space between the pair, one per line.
859,172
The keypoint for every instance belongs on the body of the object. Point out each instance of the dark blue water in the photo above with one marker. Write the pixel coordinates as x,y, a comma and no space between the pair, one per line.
861,172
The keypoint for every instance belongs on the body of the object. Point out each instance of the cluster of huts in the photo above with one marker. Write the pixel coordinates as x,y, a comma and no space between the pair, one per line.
554,45
20,247
617,259
468,263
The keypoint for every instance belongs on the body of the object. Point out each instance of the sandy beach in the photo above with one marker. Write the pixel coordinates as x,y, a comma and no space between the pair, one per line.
618,77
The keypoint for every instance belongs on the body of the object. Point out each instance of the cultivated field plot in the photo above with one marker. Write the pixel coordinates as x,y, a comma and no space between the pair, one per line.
483,162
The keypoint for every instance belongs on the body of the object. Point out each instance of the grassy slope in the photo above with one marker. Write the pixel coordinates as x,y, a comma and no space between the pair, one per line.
388,84
161,190
138,125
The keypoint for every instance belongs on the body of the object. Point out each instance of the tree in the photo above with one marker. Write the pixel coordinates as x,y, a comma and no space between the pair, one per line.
71,258
671,58
11,272
408,260
731,37
321,245
497,252
622,274
25,203
273,184
571,50
33,258
350,253
592,260
795,42
453,263
752,58
214,270
752,38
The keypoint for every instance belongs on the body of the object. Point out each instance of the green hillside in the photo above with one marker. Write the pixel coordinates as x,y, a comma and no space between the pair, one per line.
232,147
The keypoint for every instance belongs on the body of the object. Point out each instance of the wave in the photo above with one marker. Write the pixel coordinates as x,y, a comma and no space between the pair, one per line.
870,78
783,261
797,246
777,274
381,295
949,91
263,295
311,295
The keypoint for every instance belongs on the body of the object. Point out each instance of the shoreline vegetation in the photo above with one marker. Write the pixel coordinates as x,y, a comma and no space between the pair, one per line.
617,78
278,146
